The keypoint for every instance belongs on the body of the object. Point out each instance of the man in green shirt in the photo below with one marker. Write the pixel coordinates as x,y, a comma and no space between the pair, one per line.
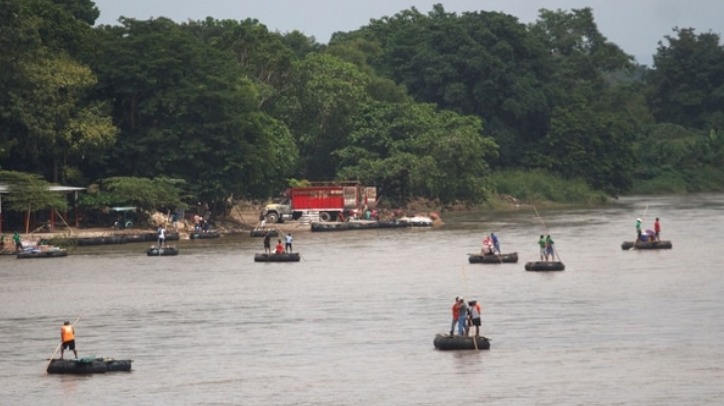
18,242
542,244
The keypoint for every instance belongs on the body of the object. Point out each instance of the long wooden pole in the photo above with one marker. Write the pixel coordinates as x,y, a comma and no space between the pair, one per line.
59,345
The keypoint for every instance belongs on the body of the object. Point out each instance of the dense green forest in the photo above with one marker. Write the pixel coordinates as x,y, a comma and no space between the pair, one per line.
437,105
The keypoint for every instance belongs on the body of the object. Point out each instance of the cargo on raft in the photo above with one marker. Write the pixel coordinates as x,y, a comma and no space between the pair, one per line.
447,342
283,257
646,245
88,365
493,258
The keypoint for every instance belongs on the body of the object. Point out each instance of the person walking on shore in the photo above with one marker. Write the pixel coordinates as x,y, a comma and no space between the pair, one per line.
18,242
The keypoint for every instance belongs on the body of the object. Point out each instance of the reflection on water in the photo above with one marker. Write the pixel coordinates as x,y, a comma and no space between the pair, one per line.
353,322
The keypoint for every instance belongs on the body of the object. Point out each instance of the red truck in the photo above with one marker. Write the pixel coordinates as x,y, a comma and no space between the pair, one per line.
326,201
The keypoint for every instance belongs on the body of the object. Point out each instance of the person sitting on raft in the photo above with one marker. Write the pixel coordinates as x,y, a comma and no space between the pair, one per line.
487,246
279,248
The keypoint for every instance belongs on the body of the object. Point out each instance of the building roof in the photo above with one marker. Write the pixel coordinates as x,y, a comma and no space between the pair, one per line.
52,188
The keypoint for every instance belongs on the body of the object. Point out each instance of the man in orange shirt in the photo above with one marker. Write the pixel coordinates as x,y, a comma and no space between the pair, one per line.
67,338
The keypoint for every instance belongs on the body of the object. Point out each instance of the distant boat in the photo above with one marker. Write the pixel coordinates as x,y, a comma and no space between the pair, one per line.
88,365
647,245
544,266
262,231
417,221
447,342
165,251
493,259
364,225
48,252
283,257
205,235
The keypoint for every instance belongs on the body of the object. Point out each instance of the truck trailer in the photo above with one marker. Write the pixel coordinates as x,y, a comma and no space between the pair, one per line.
328,202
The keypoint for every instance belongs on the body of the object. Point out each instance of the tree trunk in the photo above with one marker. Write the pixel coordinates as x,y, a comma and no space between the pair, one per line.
27,221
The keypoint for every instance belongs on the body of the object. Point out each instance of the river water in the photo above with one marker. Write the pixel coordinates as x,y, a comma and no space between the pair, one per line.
353,322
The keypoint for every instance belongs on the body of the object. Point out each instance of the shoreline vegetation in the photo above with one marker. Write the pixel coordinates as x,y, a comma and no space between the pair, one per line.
141,114
515,190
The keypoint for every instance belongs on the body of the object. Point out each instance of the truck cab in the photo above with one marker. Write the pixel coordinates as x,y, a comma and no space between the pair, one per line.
279,211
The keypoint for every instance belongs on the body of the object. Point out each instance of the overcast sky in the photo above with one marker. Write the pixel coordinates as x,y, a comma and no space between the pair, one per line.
635,25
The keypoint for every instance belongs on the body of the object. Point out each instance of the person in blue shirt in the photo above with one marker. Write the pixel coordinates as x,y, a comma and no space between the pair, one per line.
496,243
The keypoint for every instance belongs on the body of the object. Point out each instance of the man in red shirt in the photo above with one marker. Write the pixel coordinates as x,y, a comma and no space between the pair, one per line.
455,314
657,229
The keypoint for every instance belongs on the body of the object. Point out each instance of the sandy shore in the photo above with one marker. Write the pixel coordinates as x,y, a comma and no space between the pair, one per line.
240,220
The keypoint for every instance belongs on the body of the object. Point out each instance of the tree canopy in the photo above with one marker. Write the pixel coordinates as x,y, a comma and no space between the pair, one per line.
419,104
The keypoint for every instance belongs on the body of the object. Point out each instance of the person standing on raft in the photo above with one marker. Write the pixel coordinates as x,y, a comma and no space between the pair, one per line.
475,312
288,243
550,251
462,317
657,229
267,243
496,243
542,245
455,314
67,339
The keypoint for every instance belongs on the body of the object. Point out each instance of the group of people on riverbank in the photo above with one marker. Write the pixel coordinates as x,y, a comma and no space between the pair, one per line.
464,316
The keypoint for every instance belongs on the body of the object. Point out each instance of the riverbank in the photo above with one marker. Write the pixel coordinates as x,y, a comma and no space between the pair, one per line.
242,218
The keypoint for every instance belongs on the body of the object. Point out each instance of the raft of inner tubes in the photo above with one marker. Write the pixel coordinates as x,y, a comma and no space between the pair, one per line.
493,259
49,253
262,231
447,342
284,257
647,245
123,239
544,266
166,251
357,225
88,365
205,235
